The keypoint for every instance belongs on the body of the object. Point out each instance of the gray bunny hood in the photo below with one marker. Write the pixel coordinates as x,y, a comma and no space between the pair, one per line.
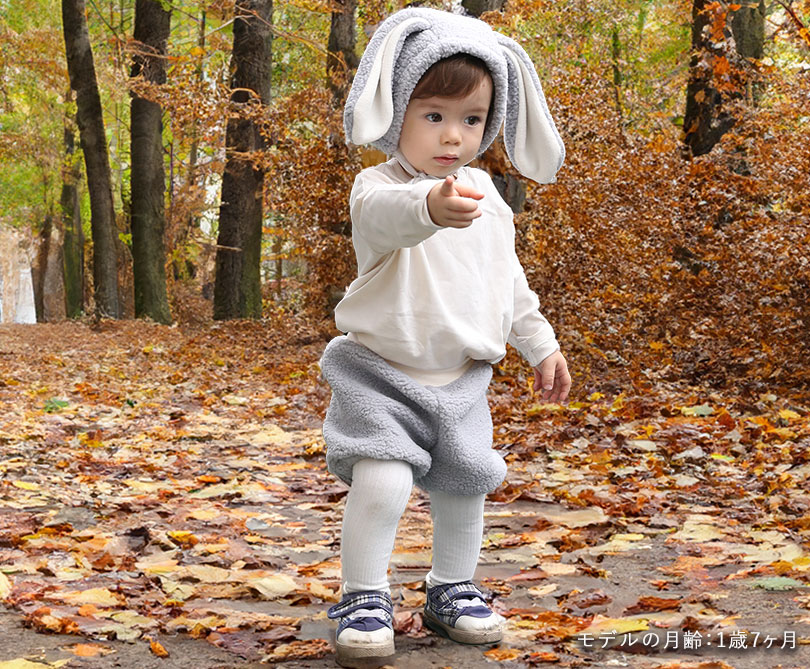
408,43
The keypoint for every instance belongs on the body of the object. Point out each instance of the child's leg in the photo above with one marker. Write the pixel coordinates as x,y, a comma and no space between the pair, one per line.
458,527
379,493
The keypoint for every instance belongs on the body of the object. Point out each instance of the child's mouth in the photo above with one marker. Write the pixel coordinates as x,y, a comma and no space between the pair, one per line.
446,160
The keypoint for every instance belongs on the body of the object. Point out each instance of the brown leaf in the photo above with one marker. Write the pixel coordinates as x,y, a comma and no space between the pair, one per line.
645,604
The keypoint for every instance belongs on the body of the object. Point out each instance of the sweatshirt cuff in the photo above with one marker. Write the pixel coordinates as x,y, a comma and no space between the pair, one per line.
419,193
536,348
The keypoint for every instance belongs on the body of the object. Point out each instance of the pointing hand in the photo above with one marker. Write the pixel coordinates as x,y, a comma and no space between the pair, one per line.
453,205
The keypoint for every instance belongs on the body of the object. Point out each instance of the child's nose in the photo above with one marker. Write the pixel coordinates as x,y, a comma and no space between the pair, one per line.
451,134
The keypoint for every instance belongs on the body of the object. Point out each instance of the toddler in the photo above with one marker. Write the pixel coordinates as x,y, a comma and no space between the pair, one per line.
439,293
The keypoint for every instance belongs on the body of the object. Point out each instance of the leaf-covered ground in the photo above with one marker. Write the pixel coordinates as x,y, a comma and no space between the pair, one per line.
164,503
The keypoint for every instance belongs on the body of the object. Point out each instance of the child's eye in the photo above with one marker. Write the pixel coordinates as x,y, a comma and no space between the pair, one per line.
472,120
433,117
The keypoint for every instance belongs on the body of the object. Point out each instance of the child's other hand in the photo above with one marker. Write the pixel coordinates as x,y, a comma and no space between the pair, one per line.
453,205
552,376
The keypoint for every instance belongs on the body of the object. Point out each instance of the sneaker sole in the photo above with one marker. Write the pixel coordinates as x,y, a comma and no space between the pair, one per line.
369,655
471,637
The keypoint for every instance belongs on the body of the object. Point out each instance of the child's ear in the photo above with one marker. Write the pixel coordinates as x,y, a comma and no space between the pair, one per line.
532,142
370,105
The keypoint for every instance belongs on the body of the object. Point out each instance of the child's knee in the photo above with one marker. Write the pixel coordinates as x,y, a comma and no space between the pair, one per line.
383,484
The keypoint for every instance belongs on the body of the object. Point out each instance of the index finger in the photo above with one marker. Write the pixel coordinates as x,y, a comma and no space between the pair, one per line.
467,191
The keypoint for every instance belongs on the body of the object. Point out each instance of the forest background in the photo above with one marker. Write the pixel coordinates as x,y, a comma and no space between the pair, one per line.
649,257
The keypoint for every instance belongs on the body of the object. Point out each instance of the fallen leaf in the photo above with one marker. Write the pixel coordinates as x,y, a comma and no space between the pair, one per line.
95,596
499,654
603,624
157,649
645,604
300,650
543,590
88,649
22,663
778,583
273,587
25,485
594,515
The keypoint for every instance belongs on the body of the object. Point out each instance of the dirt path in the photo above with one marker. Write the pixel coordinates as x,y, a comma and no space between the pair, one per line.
164,492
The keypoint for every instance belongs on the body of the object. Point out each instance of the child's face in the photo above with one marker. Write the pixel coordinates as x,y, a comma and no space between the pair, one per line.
440,134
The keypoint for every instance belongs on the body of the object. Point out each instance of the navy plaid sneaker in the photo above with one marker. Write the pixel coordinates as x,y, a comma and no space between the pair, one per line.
448,602
361,614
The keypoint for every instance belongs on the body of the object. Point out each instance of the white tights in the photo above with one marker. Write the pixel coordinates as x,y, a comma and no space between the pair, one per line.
378,496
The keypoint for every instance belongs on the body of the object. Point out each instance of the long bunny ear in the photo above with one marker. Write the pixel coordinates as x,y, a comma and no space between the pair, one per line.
370,106
532,142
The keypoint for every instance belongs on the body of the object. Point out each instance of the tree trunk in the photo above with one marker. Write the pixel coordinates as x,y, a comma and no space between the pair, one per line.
148,182
48,277
193,220
237,288
341,59
478,7
82,74
748,28
719,71
73,246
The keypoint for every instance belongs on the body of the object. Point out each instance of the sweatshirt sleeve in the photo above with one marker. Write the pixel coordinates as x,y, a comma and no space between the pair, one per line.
531,334
388,215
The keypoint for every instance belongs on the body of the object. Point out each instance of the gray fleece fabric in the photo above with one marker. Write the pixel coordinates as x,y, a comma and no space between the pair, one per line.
408,43
377,411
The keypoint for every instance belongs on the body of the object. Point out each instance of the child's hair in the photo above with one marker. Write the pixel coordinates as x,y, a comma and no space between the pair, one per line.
453,77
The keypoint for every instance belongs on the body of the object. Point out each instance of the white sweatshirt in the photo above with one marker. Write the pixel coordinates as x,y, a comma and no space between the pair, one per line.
431,299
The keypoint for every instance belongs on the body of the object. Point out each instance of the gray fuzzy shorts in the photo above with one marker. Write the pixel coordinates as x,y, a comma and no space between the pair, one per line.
377,411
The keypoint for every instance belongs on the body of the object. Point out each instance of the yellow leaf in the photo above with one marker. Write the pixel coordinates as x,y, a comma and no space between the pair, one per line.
96,596
184,537
601,625
536,409
25,485
787,414
197,51
5,586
